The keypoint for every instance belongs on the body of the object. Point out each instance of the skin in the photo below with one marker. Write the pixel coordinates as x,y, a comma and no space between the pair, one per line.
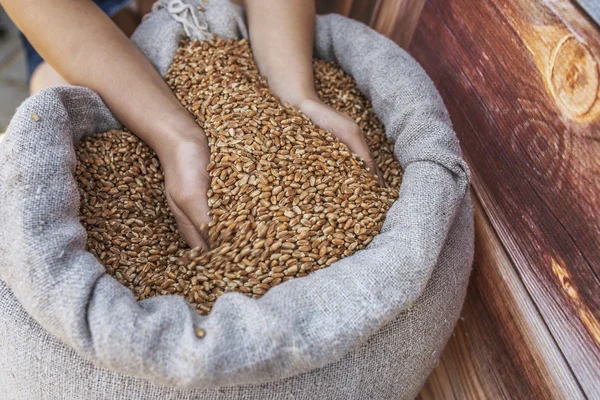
84,47
286,60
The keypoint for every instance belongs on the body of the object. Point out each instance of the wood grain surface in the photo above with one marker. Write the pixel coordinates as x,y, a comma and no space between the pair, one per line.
520,80
381,15
501,347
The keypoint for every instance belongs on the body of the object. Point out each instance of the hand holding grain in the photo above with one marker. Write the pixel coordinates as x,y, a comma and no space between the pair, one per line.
285,60
344,128
186,183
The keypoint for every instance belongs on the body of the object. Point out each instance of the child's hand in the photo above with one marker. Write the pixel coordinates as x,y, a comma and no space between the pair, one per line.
343,127
281,33
187,182
103,59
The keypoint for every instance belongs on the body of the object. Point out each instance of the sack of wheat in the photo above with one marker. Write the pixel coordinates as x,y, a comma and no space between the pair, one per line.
319,283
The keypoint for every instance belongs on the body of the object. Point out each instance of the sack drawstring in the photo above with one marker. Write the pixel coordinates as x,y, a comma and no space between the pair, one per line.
188,15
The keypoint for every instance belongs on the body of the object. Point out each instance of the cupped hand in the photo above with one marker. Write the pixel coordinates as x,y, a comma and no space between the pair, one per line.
187,182
343,127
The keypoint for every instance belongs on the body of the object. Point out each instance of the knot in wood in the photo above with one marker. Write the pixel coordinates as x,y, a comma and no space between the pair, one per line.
574,76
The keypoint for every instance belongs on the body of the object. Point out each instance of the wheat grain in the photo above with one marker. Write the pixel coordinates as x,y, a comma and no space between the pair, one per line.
286,197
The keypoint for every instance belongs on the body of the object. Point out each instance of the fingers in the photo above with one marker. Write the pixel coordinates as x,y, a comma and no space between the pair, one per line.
345,129
187,229
356,142
196,210
187,183
359,147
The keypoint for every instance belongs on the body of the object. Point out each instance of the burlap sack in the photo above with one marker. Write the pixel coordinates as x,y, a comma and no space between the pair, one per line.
371,326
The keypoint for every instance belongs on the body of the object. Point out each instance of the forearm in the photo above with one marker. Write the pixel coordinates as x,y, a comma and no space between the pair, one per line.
87,49
281,32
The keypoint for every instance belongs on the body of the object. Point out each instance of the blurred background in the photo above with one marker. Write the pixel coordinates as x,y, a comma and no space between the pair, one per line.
13,83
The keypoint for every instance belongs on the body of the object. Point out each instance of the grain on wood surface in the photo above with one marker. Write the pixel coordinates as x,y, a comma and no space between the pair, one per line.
522,92
501,348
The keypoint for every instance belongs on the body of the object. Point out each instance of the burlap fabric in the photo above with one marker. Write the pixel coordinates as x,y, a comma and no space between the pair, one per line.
371,326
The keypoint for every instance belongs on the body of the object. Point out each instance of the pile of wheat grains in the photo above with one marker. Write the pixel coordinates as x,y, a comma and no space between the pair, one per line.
286,198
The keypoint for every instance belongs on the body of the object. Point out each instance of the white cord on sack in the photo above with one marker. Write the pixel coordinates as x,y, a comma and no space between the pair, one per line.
188,15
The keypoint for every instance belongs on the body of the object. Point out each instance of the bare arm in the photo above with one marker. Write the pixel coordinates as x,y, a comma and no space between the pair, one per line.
282,33
282,42
80,42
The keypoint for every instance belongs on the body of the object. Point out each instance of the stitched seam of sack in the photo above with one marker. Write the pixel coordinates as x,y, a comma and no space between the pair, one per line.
189,15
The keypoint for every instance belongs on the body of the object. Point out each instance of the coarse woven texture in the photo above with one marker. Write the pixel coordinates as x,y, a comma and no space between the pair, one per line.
370,326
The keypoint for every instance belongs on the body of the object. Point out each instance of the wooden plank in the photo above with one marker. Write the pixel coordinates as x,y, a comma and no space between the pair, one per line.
334,6
439,385
397,19
501,348
523,95
365,11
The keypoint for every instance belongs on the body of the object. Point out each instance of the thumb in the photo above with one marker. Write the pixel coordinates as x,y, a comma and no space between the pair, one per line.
358,145
192,221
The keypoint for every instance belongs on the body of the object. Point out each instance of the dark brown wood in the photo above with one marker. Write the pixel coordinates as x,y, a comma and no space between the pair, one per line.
365,11
520,80
334,6
501,348
396,19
